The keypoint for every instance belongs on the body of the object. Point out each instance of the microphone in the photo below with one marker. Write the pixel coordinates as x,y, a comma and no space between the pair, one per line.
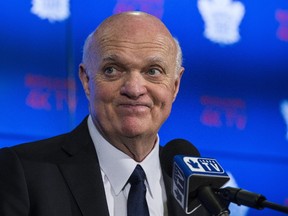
193,177
197,181
173,148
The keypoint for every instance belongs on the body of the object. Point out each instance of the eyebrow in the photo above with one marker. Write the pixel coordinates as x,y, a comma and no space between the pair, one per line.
117,58
156,59
111,58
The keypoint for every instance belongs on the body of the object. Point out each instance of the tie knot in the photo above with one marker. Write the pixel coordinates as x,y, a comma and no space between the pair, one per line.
137,176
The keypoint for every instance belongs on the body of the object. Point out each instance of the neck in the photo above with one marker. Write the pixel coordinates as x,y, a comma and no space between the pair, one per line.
137,147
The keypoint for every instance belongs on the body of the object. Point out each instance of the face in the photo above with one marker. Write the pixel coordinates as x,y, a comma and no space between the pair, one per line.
131,83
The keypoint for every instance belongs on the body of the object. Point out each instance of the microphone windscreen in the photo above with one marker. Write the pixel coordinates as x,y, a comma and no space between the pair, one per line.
173,148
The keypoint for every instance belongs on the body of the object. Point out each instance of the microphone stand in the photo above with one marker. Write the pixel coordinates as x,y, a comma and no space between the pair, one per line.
211,202
247,198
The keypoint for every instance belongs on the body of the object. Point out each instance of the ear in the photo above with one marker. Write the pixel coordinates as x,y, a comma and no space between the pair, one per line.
177,82
84,79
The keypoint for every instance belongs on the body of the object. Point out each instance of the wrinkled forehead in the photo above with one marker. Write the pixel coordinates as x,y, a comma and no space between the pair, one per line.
130,32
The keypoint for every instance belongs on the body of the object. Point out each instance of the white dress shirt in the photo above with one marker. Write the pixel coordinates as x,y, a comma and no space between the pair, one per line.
116,168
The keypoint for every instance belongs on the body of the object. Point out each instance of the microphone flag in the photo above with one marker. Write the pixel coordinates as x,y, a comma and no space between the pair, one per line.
191,173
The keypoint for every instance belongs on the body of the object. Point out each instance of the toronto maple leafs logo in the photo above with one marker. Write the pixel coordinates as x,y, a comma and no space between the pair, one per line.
222,19
284,111
53,10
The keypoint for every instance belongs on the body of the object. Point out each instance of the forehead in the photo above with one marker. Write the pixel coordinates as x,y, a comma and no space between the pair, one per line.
132,35
137,43
135,52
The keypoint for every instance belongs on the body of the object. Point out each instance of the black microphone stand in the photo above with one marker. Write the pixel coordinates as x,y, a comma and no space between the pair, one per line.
247,198
213,203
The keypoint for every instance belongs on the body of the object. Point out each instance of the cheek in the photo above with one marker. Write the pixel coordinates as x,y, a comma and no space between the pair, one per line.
99,96
165,98
100,91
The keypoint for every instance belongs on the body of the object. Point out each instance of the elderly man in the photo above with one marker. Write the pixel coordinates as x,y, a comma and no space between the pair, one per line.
130,72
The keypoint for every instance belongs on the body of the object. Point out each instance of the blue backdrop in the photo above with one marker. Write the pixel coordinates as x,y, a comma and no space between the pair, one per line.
233,102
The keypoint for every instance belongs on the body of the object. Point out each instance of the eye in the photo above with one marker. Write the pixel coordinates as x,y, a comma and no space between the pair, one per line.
154,72
110,71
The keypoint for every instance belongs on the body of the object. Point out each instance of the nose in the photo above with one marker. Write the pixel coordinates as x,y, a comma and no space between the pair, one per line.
133,85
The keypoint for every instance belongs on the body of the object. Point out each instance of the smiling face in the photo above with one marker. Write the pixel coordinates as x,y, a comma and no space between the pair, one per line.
129,77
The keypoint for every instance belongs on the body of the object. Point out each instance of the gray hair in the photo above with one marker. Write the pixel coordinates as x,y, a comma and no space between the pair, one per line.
86,53
179,56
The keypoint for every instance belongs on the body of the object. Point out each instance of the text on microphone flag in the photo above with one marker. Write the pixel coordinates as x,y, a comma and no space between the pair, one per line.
203,165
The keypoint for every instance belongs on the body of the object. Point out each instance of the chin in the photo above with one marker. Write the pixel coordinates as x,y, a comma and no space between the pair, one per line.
131,132
133,128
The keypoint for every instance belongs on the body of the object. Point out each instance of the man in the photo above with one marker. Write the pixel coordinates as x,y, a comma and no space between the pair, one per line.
131,72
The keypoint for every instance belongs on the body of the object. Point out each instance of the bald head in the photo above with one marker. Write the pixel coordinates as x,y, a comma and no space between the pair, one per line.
133,23
136,27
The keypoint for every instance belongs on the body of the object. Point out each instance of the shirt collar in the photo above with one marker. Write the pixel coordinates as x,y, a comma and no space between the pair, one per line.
118,166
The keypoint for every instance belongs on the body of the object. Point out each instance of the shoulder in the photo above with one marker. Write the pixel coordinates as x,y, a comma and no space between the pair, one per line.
40,147
41,150
50,148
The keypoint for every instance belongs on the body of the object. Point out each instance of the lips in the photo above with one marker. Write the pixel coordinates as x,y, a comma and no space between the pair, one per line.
134,107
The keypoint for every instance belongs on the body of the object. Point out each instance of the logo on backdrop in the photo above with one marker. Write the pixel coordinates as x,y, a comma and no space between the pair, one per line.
53,10
220,112
47,93
222,19
284,111
282,17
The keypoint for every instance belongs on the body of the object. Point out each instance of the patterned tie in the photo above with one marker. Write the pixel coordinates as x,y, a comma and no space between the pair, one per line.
137,205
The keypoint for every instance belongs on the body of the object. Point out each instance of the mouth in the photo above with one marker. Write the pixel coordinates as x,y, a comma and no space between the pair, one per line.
134,107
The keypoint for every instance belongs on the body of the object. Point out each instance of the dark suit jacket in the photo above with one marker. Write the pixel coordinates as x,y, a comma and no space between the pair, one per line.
59,176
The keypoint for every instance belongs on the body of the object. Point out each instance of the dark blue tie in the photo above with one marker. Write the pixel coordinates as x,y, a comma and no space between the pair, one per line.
137,204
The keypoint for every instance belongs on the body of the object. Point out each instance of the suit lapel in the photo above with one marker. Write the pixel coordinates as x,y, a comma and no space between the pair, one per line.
82,173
